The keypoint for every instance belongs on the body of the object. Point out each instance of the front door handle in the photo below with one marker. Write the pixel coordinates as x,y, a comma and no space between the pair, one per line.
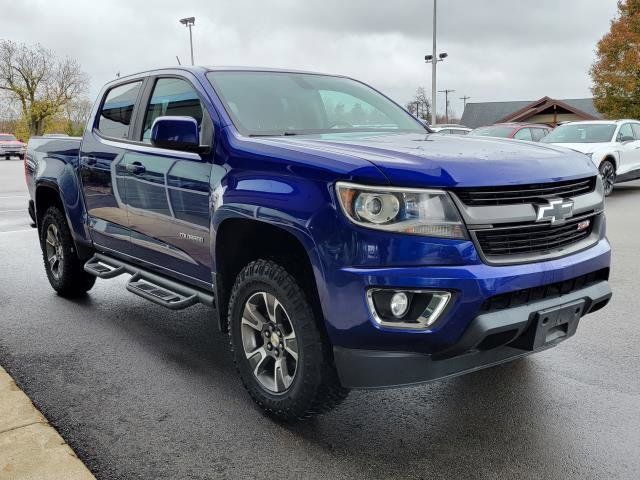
136,168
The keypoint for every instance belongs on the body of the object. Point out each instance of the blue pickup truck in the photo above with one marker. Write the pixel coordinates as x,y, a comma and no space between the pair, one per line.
340,242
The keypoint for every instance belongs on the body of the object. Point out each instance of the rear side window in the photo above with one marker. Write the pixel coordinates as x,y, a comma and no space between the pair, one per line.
172,97
117,109
538,134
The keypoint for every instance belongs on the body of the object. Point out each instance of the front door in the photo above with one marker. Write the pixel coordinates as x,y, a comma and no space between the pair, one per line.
167,191
102,167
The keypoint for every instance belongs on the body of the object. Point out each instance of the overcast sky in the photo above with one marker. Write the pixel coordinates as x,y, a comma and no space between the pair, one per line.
498,49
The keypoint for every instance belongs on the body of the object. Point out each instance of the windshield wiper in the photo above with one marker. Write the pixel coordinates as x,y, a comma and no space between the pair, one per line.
286,133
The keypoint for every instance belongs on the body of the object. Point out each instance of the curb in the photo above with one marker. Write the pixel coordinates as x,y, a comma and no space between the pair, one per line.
30,448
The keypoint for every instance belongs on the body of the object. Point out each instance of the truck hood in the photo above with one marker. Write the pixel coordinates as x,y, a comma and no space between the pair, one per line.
431,160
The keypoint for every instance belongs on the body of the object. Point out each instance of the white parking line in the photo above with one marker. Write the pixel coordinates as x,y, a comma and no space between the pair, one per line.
16,210
14,196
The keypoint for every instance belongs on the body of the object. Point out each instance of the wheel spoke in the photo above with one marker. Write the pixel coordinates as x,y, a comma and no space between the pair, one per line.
53,259
291,345
271,303
281,379
256,359
252,317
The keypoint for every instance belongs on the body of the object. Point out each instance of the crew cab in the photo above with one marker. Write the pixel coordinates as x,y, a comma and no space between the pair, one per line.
339,241
11,146
613,146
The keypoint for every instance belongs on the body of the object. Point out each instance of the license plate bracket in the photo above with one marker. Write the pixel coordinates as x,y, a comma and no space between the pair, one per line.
552,325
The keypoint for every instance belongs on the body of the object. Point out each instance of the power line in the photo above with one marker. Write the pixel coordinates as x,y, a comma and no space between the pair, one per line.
464,99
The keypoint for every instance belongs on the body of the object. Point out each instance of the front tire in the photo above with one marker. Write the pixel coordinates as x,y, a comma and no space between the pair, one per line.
278,348
608,174
64,269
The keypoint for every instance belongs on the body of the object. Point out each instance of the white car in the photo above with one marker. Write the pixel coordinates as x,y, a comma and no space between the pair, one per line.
450,129
613,145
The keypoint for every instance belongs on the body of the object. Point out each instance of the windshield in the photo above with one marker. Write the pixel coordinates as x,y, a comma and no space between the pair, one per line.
279,103
493,131
582,133
7,138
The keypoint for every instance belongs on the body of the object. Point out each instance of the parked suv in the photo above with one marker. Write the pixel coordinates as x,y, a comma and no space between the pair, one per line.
517,131
613,146
340,243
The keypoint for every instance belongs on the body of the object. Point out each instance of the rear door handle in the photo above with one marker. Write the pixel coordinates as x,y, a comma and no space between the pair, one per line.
89,160
136,168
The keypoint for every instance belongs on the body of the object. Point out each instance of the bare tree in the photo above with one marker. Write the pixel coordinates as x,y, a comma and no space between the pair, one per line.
419,105
38,81
77,114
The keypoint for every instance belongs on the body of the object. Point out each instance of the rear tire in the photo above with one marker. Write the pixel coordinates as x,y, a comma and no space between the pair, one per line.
64,269
281,354
608,174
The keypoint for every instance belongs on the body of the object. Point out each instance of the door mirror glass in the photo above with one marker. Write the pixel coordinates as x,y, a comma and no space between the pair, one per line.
175,133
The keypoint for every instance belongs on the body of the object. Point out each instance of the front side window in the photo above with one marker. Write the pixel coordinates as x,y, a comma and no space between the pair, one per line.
282,103
523,134
173,97
582,133
626,133
117,109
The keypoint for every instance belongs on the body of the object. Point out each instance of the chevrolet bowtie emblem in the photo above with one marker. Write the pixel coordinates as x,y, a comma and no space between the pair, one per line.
556,212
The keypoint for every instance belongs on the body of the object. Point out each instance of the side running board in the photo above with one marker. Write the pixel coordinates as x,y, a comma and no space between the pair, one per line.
150,286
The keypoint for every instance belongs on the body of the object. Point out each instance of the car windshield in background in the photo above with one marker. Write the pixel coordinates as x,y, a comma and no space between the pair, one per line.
7,138
581,133
494,131
282,103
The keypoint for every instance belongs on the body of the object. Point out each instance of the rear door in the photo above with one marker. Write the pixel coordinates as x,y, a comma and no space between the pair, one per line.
102,167
168,191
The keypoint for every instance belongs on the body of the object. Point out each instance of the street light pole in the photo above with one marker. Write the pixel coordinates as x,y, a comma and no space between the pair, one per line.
433,66
189,22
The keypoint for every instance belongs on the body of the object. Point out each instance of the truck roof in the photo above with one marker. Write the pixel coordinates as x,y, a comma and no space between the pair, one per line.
202,69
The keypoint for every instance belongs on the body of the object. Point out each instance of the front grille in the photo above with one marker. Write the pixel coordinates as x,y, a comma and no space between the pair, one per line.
527,295
484,196
533,238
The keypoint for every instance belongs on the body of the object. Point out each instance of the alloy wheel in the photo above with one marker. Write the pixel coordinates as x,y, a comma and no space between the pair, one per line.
608,173
54,250
269,342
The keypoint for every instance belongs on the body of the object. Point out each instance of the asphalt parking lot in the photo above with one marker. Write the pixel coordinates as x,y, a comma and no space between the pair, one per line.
142,392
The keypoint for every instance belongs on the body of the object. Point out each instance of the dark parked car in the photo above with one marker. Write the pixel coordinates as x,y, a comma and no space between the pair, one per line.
518,131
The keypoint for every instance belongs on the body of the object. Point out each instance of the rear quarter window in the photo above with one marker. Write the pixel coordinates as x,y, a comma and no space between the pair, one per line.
117,110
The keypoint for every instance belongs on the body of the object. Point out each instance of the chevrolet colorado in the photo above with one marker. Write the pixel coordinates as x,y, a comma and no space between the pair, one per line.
340,242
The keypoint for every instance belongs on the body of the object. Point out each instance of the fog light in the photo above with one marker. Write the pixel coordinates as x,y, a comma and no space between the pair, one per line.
407,309
399,304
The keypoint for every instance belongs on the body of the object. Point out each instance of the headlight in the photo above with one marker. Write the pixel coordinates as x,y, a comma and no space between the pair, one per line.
414,211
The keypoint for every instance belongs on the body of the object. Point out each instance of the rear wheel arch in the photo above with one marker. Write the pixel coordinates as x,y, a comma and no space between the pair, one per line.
239,241
47,196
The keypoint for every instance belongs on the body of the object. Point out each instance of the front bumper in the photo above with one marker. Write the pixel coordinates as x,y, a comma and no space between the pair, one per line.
490,339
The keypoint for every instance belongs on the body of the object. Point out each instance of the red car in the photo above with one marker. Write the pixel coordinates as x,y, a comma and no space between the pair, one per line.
10,145
531,132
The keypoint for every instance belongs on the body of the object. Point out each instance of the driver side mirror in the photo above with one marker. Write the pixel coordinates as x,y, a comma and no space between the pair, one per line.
176,133
625,138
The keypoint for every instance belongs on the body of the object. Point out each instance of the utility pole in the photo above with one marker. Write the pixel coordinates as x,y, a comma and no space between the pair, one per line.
464,100
189,22
446,103
433,59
